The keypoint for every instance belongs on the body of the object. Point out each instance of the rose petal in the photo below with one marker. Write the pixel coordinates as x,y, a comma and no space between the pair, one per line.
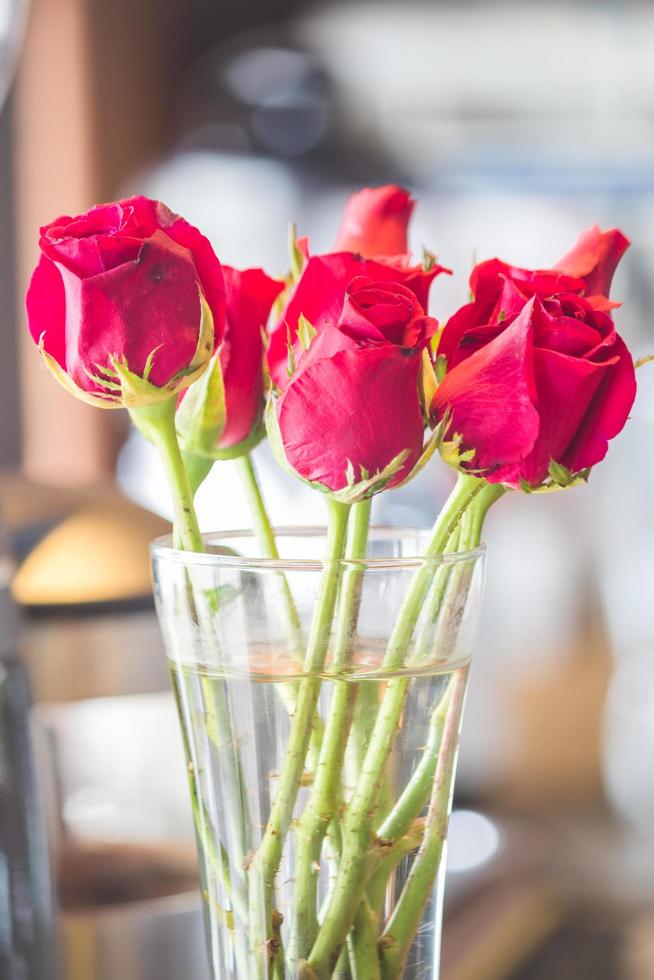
487,278
208,268
385,313
320,293
595,257
566,335
375,222
250,294
608,412
46,309
492,399
566,387
359,406
152,303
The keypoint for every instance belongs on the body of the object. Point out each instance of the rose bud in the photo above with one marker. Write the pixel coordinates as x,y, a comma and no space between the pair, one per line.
220,415
594,258
350,420
375,222
500,290
126,304
374,219
535,399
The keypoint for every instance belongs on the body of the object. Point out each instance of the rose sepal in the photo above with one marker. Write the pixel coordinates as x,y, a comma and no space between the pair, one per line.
434,442
427,383
243,447
298,253
98,401
353,493
199,465
201,414
201,438
559,478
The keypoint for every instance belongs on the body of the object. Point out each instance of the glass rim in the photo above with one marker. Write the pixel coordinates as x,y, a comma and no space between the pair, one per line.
162,549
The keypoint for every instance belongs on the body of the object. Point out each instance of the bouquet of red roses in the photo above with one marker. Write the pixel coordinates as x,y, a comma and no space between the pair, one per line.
322,860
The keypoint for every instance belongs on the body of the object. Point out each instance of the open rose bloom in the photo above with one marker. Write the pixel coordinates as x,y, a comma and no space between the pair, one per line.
538,380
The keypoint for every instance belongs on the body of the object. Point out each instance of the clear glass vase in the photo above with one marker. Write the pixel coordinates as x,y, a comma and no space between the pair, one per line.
321,797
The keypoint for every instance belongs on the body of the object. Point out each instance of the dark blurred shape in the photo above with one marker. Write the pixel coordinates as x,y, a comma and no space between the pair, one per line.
257,93
115,873
27,933
289,109
587,946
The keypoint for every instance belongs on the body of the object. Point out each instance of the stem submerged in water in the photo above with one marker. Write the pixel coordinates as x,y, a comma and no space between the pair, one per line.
438,764
265,862
403,923
157,422
326,795
358,841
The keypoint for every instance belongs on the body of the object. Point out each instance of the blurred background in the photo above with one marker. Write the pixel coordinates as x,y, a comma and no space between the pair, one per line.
516,125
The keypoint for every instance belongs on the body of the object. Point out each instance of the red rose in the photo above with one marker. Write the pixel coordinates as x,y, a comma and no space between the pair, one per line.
351,413
374,232
550,385
501,290
127,302
320,292
250,296
236,378
375,222
594,258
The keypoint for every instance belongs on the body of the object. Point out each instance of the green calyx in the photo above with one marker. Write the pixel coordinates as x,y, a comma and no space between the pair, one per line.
122,388
559,478
201,415
199,464
354,490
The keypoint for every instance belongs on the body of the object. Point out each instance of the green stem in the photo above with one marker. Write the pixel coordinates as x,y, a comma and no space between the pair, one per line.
362,944
465,491
438,764
359,819
326,795
395,942
416,793
342,969
398,818
426,635
197,468
265,862
157,422
398,850
490,493
222,735
268,545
